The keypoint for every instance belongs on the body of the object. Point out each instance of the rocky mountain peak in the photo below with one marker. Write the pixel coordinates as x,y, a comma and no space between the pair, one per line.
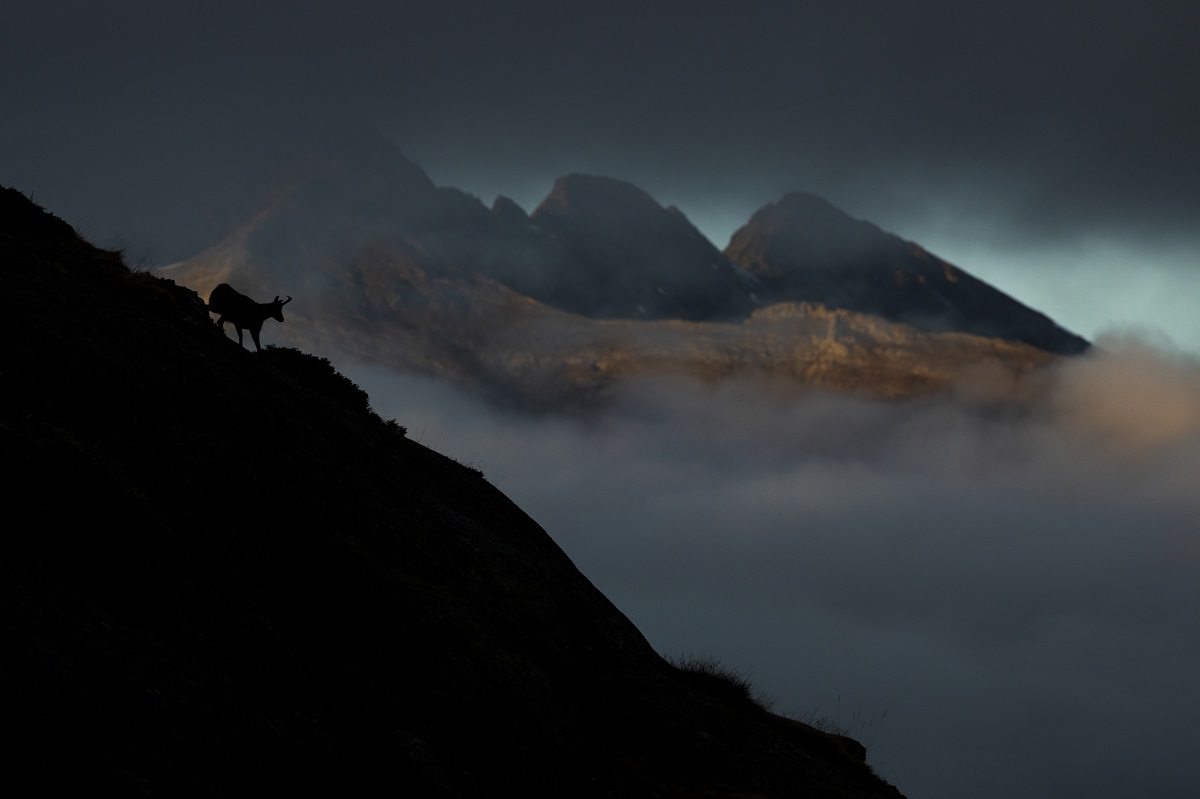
506,208
804,249
803,230
592,197
632,258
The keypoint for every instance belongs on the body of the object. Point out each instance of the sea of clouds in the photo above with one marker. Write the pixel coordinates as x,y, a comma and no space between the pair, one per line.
998,603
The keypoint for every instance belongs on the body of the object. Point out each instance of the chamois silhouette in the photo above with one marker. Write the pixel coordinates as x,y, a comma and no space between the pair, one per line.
243,311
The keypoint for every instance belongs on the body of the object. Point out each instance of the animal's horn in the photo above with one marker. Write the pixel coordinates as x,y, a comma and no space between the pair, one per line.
285,302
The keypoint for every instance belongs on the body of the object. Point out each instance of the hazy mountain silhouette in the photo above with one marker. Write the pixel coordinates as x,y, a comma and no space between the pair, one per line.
805,250
223,574
634,259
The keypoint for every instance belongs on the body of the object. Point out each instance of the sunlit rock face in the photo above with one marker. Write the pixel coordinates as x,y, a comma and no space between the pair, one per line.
803,249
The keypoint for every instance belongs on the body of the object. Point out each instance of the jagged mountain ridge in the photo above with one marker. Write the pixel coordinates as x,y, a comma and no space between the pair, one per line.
555,308
635,259
223,575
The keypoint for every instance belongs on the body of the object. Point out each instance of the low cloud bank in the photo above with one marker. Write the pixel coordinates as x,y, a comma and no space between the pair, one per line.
1018,592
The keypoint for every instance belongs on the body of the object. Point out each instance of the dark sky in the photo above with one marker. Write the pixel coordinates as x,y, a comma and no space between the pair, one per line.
1047,147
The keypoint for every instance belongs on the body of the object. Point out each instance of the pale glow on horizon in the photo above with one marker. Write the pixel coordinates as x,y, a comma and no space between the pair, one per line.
1096,287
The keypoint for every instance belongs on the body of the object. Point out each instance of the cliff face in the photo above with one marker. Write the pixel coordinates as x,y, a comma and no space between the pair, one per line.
224,575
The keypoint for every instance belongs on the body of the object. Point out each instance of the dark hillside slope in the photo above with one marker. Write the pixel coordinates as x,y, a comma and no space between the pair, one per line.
221,574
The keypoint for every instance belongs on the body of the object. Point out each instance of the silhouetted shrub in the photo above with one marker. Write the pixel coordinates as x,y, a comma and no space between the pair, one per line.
318,375
707,674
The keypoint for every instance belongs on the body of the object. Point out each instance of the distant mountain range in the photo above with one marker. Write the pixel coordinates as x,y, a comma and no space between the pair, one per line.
599,283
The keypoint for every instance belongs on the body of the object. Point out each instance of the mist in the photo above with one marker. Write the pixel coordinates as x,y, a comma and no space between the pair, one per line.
995,603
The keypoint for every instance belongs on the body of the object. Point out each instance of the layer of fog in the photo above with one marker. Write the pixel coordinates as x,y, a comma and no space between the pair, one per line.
998,604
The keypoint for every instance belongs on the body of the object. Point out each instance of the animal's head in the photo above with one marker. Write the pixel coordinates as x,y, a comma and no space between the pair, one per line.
277,307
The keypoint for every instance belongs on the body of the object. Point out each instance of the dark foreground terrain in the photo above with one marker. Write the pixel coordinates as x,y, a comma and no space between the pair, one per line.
222,574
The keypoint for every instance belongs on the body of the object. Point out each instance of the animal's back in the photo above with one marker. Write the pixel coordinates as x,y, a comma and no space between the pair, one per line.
223,298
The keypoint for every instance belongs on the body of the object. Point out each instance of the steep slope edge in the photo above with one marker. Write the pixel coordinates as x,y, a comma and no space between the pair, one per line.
223,577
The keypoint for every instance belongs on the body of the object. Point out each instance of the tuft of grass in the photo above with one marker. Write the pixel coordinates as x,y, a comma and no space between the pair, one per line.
859,726
719,681
822,721
478,466
140,264
469,466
